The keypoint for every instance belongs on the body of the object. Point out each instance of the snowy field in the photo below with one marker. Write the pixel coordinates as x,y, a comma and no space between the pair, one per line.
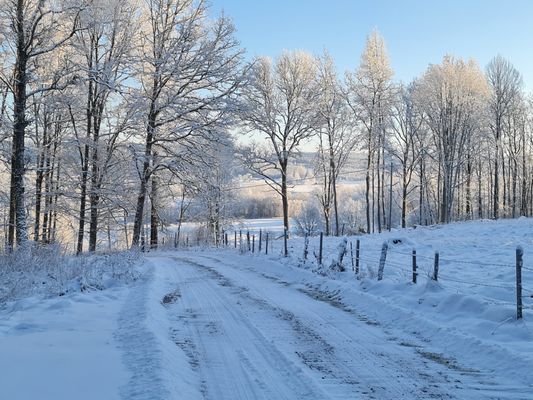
226,324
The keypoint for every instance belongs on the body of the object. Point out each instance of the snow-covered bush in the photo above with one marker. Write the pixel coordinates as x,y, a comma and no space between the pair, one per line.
308,221
47,271
351,216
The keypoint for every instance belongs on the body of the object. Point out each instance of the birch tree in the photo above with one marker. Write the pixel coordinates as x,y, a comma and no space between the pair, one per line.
505,85
369,90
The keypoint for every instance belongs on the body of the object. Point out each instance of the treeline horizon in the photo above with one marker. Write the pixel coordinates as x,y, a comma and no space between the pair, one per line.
121,114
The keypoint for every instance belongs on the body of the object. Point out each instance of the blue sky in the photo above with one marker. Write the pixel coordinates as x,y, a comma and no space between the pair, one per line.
416,32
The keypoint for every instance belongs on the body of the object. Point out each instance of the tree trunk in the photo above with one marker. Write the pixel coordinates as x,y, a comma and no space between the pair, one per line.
444,202
53,216
367,188
479,193
39,176
17,211
514,187
145,174
334,189
504,184
85,172
154,218
284,196
468,199
523,199
404,194
496,182
421,193
94,195
378,168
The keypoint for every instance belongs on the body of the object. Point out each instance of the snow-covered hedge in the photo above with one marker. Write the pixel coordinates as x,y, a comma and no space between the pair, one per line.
47,271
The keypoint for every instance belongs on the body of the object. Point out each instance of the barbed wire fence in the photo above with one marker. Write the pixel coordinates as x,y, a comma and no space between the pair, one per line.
408,266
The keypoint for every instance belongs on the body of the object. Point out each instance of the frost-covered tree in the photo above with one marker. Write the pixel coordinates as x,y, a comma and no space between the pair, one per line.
452,96
505,86
280,104
189,70
336,135
405,146
35,29
104,46
369,91
213,187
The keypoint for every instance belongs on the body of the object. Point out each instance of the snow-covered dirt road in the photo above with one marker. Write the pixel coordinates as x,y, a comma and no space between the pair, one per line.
215,324
248,334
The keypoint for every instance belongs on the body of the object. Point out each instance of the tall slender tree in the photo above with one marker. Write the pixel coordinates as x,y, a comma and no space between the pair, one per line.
337,137
452,96
281,105
37,28
505,85
407,124
369,91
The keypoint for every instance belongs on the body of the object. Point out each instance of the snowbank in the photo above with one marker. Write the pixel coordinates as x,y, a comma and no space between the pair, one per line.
45,271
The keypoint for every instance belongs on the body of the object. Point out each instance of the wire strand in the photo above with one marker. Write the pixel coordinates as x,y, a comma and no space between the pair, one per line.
453,260
446,278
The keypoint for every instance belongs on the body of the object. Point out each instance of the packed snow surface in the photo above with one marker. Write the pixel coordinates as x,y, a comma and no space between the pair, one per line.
227,324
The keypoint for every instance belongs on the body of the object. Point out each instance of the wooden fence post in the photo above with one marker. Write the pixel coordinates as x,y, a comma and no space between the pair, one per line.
320,248
253,243
266,244
414,266
235,239
382,260
175,240
306,245
436,267
357,251
260,240
519,263
351,254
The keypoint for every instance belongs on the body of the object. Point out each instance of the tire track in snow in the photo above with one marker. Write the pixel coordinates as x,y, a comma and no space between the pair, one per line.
445,379
346,370
234,359
141,353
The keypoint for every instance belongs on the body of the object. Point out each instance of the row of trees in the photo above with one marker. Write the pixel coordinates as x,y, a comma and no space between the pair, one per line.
453,144
106,104
107,107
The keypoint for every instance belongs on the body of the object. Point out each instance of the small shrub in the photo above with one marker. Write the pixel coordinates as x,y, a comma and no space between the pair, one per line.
308,221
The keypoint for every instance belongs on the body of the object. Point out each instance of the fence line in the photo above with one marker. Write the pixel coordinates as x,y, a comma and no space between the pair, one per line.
409,269
447,278
480,263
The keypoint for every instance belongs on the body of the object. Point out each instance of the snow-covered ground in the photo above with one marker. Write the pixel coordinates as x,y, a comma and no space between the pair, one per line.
221,324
